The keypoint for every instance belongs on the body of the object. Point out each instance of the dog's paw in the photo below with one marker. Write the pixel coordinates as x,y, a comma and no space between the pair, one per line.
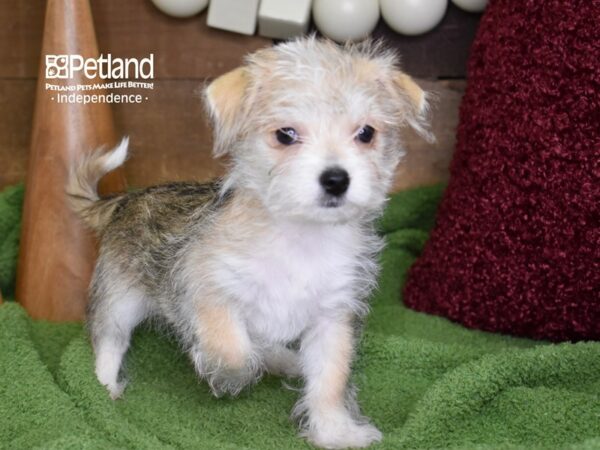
229,381
108,380
342,432
115,390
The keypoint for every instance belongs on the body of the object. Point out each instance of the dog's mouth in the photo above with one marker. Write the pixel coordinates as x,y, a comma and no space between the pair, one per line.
330,201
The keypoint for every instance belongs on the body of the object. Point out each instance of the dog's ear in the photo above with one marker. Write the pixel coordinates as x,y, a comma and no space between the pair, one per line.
415,103
224,99
412,91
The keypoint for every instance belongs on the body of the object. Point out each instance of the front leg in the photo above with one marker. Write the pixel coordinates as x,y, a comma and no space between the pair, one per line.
328,413
223,352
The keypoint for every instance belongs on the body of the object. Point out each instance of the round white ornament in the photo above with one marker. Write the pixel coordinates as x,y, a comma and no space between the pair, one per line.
180,8
413,17
346,20
471,5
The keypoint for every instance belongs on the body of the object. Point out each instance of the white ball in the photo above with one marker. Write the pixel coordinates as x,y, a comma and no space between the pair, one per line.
412,17
346,20
180,8
471,5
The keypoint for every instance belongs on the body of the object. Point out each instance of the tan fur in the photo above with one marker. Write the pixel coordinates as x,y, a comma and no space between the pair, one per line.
243,210
337,371
366,70
411,90
221,336
228,236
269,269
81,188
224,97
226,92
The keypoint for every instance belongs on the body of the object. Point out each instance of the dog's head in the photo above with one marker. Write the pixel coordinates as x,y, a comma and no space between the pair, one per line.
313,129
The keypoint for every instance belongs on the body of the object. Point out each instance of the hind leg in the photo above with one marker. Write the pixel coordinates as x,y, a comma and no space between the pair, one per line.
111,321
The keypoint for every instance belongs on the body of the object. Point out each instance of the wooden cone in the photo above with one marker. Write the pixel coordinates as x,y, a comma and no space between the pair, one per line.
56,252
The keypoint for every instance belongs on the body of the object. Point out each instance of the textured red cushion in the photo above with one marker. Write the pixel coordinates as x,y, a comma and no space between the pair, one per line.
516,246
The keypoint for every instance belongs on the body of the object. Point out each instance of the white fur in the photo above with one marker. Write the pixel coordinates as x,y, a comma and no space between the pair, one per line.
117,156
283,282
125,310
288,280
286,274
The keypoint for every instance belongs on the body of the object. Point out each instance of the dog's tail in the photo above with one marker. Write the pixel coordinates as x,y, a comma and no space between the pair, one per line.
82,185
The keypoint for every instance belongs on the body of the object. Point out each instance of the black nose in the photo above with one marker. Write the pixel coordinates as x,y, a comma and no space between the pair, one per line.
335,181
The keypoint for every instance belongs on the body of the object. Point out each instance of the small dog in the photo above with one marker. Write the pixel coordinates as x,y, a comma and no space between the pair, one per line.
269,269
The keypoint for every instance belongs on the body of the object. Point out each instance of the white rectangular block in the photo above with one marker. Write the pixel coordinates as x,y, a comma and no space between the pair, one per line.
283,19
238,16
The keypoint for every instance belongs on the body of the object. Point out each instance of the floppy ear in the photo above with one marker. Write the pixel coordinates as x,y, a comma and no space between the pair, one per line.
224,99
416,103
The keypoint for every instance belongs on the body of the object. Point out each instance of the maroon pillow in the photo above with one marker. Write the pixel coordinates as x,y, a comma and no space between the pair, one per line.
516,246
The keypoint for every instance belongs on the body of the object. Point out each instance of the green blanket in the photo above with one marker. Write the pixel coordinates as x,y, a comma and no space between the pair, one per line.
427,383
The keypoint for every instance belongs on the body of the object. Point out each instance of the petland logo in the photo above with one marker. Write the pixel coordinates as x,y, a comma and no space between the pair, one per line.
65,67
119,74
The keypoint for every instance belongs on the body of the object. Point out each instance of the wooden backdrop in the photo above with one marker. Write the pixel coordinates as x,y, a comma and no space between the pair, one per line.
168,132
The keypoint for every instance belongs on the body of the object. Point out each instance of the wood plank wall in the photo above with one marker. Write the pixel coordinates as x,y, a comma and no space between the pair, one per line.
169,136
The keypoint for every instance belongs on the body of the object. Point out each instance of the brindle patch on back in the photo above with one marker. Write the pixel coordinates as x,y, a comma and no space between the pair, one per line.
149,227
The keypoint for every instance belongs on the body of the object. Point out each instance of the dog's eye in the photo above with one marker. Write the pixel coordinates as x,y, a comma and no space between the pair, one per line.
287,136
366,134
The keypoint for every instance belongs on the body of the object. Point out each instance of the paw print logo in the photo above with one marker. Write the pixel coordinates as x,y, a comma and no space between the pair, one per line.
57,66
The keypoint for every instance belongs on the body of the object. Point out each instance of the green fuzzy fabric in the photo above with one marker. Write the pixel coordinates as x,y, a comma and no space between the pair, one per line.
11,201
425,382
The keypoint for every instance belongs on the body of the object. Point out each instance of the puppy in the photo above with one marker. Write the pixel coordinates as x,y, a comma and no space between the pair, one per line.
269,269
